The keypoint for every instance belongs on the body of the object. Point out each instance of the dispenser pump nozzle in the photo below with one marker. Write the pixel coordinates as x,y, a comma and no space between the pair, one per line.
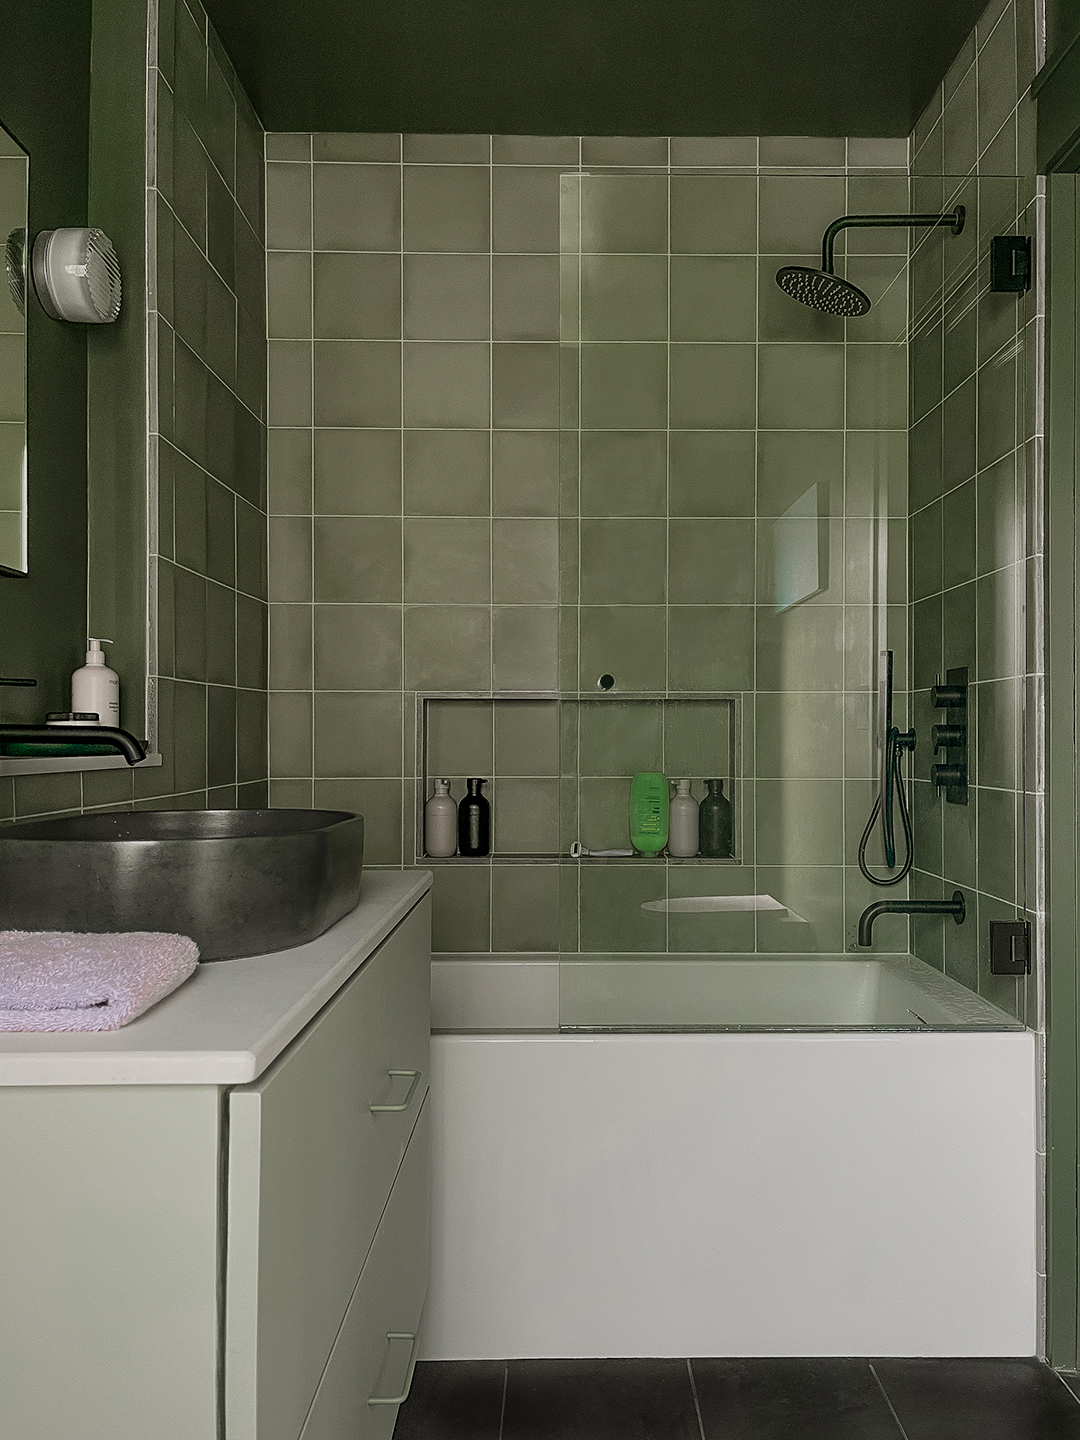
95,655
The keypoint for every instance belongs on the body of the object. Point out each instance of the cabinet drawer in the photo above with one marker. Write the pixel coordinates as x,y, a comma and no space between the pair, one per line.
310,1167
376,1348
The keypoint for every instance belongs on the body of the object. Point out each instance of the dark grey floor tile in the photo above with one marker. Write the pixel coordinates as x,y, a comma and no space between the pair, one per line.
979,1400
453,1400
791,1399
599,1400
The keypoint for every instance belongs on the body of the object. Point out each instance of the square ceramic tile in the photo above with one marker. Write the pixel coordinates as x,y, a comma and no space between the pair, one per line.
357,647
447,472
357,297
623,472
357,472
525,640
624,386
447,297
357,734
525,473
711,472
525,210
801,387
795,211
447,561
624,297
288,207
356,207
713,297
524,385
525,297
447,384
712,387
357,559
624,213
446,208
623,562
710,562
525,910
288,464
357,382
447,647
288,295
790,461
527,737
460,737
620,737
711,647
380,803
525,562
714,214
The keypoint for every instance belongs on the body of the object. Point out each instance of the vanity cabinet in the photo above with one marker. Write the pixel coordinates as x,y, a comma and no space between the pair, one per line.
192,1262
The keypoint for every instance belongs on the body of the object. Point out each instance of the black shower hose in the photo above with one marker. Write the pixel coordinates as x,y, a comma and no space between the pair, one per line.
905,820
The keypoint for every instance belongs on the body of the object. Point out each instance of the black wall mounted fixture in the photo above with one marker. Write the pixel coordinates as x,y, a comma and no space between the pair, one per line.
1010,263
952,737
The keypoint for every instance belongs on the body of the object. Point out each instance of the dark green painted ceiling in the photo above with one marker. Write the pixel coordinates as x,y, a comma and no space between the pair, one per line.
594,67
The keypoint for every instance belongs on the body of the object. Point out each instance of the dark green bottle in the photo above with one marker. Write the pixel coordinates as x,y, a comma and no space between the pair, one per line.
716,823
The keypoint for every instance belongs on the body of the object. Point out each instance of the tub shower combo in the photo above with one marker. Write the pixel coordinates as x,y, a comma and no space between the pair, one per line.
735,1113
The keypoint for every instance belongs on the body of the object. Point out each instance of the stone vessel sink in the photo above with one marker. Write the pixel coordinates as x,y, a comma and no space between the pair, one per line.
238,882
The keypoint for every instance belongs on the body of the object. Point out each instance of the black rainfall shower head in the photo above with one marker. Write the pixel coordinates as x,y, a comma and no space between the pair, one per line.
822,291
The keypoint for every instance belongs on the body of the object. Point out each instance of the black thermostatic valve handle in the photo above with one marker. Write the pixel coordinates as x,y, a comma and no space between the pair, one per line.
1010,947
945,695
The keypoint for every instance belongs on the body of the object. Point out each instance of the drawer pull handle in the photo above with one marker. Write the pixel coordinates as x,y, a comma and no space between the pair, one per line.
400,1335
408,1098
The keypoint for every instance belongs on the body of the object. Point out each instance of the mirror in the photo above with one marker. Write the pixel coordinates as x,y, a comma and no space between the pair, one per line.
14,182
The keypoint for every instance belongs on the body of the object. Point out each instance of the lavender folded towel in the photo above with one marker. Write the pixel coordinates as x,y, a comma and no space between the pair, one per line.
52,980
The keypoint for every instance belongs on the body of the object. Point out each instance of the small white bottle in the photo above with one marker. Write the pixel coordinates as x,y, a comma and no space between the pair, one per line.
95,689
441,822
682,822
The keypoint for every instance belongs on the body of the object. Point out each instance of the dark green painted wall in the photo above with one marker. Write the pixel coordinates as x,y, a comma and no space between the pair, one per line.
45,103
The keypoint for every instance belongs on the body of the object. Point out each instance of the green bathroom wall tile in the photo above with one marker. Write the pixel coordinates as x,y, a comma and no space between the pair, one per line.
891,932
958,528
801,387
996,735
357,472
926,551
624,386
624,214
725,932
996,410
525,562
290,647
357,559
461,909
357,297
380,803
714,214
625,641
712,297
357,734
112,788
800,649
288,146
711,562
624,150
926,642
703,150
711,647
884,279
357,647
861,645
525,297
291,794
624,297
800,736
795,211
220,121
525,816
1000,624
355,207
288,207
252,658
790,461
221,797
165,576
878,194
251,549
527,737
190,380
190,608
189,737
189,510
525,209
251,363
569,907
189,303
447,647
958,447
446,384
799,822
447,149
220,533
620,737
446,297
1000,156
1006,991
290,558
996,76
446,472
779,317
876,472
159,780
460,738
711,472
997,313
925,358
860,761
960,133
289,398
877,381
447,561
925,480
525,641
357,382
535,149
524,385
189,63
446,208
603,812
220,739
288,471
862,560
623,562
524,473
331,146
220,634
698,740
46,795
612,920
814,897
959,825
623,472
525,908
927,821
798,151
188,172
712,387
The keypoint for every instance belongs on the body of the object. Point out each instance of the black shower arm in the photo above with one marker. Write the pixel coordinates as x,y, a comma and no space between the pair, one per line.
952,218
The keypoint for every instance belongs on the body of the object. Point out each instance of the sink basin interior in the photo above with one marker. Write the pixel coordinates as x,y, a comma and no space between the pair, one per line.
178,825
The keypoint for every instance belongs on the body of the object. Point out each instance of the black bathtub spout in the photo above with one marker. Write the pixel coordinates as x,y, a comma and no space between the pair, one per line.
954,907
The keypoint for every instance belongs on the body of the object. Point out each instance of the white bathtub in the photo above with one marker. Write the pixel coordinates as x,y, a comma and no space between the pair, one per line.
843,1164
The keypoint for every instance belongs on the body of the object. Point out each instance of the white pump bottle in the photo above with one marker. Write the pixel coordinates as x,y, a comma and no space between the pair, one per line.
95,689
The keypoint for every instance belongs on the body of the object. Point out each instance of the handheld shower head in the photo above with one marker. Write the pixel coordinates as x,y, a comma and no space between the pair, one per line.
826,291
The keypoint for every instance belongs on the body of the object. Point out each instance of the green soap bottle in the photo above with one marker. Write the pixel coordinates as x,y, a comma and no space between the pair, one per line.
648,812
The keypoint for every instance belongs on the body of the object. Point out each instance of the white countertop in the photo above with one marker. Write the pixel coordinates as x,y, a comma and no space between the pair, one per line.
232,1019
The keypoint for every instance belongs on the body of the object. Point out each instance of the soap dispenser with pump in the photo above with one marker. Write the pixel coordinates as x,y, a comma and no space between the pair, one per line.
95,689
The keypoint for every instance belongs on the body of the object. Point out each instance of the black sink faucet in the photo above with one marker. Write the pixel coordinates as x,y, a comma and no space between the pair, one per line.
954,907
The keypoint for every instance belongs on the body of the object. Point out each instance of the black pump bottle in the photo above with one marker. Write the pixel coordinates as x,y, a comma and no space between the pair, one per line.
474,821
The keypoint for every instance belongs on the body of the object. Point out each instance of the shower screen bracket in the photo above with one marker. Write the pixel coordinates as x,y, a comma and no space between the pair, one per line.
953,218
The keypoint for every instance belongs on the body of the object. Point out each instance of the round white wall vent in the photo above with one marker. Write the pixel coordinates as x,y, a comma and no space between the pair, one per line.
77,275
